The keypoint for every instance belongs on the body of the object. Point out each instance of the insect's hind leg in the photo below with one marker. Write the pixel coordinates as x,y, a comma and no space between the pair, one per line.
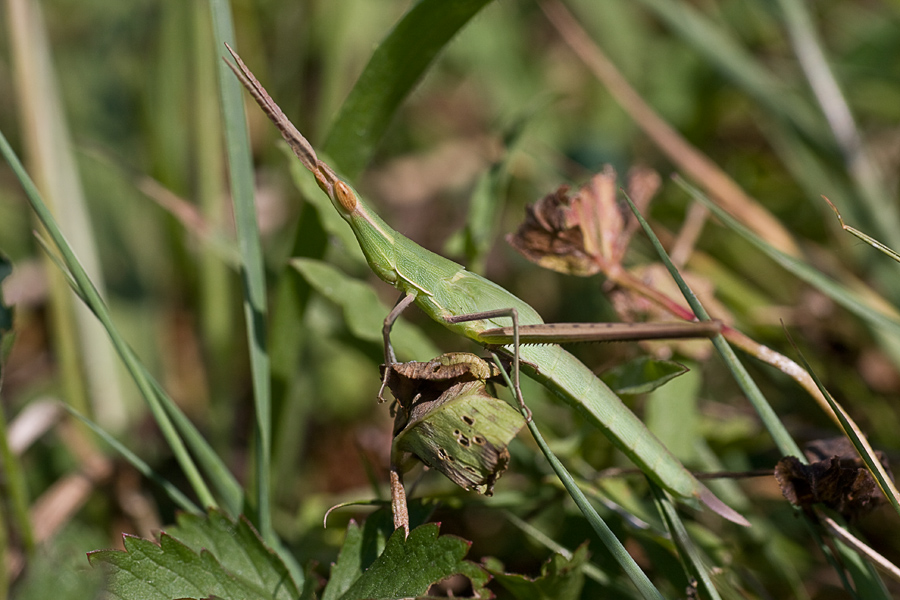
513,314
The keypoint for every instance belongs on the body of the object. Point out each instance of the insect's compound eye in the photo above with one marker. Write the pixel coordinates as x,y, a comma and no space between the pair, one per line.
345,196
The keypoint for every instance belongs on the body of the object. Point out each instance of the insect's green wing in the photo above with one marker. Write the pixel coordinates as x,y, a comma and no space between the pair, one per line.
464,436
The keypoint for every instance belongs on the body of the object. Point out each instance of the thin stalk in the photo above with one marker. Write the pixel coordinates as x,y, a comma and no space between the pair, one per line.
609,539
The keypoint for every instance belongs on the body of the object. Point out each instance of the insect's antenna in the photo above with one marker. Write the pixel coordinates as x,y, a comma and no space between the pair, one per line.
301,147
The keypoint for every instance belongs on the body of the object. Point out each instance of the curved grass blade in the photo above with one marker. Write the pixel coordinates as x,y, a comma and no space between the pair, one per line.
91,385
864,574
607,537
852,431
394,69
220,477
93,300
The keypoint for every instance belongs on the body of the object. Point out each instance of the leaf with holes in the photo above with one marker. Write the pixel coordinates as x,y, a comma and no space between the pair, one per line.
449,421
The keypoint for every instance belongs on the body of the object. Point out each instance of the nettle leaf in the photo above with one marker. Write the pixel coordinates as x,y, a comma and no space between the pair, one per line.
199,558
408,567
561,578
642,375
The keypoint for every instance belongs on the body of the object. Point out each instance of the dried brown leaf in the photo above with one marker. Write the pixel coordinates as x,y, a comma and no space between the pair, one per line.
837,478
583,233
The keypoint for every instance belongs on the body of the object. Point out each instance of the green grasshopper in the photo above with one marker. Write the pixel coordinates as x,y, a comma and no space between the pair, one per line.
472,306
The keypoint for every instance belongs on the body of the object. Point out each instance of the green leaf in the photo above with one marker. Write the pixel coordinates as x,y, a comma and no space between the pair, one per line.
238,547
561,578
671,414
395,67
642,375
363,311
362,546
199,558
348,567
408,567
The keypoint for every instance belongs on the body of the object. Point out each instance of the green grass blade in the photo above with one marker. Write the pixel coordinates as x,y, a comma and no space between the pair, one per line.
863,576
252,271
226,486
543,539
686,548
783,439
607,537
840,294
221,479
216,288
394,69
139,465
93,300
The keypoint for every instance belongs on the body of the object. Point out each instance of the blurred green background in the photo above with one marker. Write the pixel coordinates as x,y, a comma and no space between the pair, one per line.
137,84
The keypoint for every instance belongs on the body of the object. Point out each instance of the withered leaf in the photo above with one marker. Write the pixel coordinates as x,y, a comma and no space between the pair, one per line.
550,236
837,478
583,233
423,382
448,420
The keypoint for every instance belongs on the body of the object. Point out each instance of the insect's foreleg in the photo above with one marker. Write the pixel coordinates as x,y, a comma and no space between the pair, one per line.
390,358
493,314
